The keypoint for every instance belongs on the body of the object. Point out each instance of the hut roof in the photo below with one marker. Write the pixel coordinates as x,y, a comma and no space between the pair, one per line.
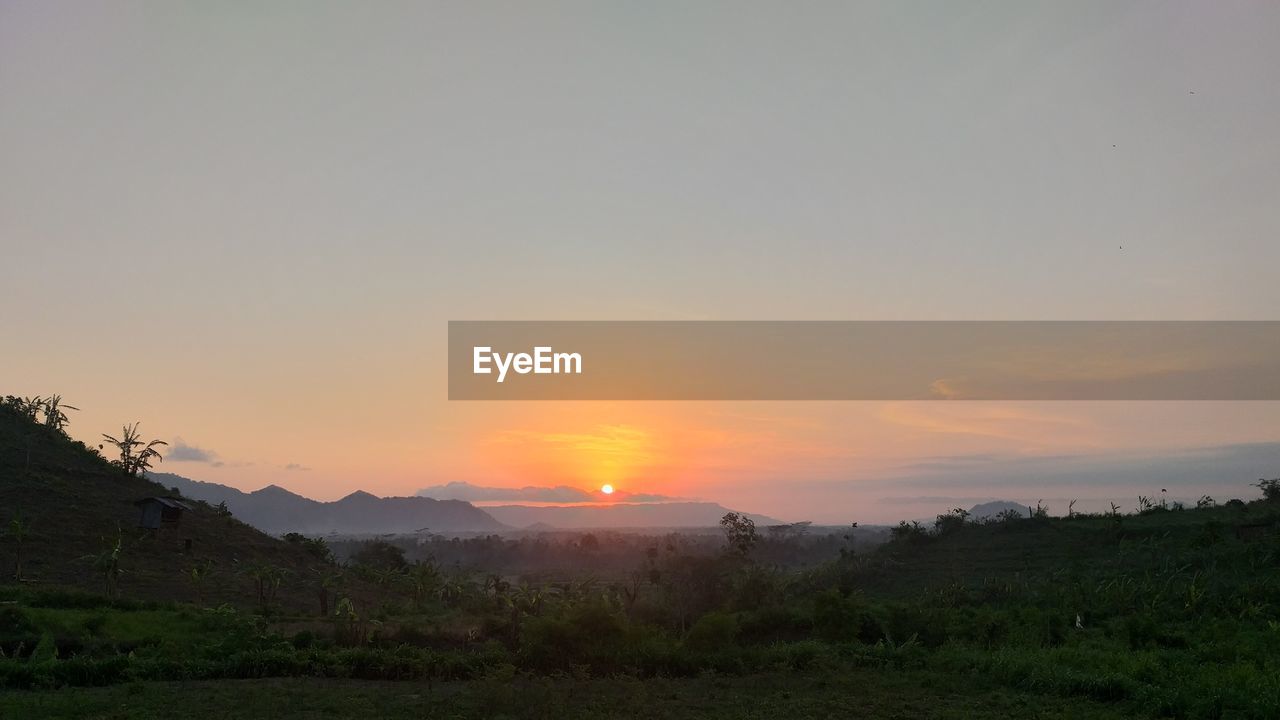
165,501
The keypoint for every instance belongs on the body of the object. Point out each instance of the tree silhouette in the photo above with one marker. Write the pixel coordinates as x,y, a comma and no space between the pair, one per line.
54,417
19,529
326,580
107,563
740,531
135,454
266,581
424,577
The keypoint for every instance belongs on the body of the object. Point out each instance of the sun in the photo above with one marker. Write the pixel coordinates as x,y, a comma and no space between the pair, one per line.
606,489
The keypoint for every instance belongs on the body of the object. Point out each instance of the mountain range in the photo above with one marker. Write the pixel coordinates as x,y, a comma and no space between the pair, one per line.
276,510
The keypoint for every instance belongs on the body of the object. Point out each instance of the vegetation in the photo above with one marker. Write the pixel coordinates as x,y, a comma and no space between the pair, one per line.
135,453
1165,611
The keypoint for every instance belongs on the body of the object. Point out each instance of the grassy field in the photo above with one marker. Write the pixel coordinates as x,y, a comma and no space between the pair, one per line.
829,692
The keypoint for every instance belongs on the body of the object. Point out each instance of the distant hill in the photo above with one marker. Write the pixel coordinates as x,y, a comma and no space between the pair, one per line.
619,515
994,508
276,510
75,505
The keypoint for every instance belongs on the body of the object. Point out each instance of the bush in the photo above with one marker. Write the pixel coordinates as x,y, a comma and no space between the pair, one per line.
774,623
14,624
908,533
905,622
844,619
588,634
951,522
713,632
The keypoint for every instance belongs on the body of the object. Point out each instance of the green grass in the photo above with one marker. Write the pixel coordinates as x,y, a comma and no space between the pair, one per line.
845,692
184,627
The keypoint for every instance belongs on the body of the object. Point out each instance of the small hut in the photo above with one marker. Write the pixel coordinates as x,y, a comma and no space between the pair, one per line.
158,512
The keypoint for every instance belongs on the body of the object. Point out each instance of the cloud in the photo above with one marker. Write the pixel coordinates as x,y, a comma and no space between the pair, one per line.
1223,471
1012,422
624,496
532,493
945,389
529,493
180,451
296,466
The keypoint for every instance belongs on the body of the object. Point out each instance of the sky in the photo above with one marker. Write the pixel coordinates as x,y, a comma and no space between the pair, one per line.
247,225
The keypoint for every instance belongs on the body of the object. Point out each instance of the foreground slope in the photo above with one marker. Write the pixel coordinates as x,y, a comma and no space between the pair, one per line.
75,505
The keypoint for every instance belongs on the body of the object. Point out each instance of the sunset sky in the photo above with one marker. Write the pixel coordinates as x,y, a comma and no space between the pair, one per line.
247,226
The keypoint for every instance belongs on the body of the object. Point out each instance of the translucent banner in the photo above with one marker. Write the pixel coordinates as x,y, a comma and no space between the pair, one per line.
864,360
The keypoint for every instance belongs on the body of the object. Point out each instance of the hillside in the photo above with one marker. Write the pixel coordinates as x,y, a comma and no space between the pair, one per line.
619,515
276,510
75,505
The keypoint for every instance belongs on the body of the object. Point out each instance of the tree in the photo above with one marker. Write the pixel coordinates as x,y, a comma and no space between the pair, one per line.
423,578
197,576
349,629
266,579
325,581
1270,489
27,407
135,454
107,564
316,547
19,529
380,555
452,591
54,417
740,531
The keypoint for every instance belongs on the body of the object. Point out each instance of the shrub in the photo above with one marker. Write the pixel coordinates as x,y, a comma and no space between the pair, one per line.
905,622
844,619
908,533
774,623
588,634
713,632
303,639
14,624
951,521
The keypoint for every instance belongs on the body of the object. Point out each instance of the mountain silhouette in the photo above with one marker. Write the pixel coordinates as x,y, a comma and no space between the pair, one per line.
985,510
276,510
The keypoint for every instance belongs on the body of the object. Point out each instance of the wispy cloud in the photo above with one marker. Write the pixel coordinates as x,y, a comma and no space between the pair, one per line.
180,451
998,421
